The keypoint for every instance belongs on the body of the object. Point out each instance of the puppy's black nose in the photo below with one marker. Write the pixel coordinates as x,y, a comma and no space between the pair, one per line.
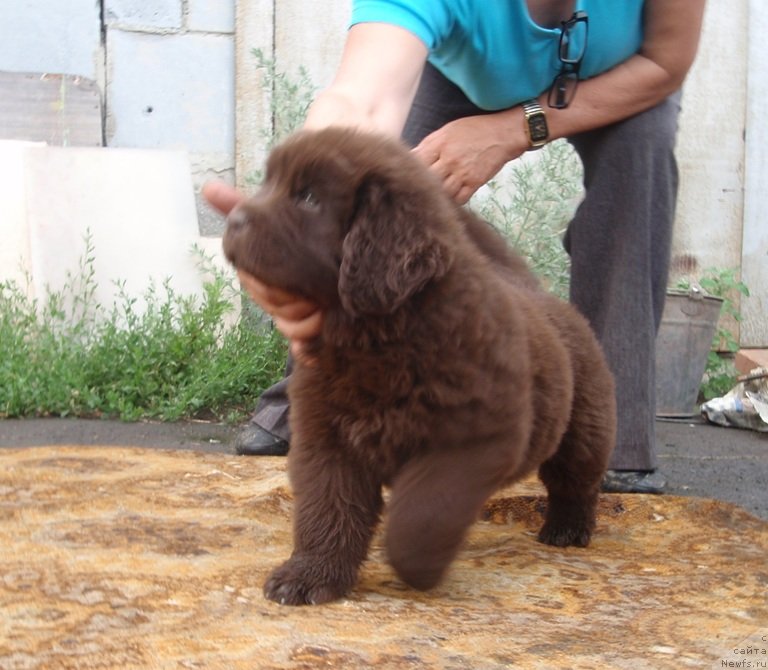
238,218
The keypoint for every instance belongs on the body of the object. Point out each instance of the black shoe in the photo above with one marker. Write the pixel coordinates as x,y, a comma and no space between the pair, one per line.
253,440
634,481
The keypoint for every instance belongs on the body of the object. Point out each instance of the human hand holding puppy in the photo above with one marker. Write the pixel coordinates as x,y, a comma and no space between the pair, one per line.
298,319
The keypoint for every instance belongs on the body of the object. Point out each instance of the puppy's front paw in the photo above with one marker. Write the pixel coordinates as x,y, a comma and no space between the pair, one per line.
307,580
561,535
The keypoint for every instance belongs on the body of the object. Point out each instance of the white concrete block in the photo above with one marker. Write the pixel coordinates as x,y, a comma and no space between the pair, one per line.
54,37
211,15
14,233
171,91
137,205
158,14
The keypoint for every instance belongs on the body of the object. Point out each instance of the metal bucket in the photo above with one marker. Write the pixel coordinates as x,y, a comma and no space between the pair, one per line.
688,326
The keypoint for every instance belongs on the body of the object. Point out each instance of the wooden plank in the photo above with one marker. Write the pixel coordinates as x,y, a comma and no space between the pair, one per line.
62,110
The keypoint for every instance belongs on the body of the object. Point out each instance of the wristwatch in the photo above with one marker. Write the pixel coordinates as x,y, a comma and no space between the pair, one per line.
535,124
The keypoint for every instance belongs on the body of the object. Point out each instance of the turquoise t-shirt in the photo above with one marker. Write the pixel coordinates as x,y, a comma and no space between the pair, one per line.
494,52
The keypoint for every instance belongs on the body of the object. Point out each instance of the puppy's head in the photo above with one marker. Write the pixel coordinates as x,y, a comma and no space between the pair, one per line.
344,219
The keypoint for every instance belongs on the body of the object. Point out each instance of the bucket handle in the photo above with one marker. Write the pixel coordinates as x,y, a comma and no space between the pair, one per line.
693,306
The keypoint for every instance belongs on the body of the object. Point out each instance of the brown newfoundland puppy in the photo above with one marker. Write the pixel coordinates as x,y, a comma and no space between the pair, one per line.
443,372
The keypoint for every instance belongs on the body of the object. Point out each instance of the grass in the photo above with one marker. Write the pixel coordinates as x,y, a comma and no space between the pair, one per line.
67,355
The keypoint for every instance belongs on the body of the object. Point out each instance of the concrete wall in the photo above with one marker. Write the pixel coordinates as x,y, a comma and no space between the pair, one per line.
722,154
296,33
165,72
170,83
56,36
711,197
165,69
754,249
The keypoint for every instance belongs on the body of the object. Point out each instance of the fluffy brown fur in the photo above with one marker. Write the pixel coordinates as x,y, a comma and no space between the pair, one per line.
442,372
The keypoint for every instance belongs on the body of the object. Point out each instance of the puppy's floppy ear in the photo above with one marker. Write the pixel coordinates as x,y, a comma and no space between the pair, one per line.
390,252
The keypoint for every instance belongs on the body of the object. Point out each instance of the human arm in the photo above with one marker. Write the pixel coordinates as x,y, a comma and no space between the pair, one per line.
468,152
373,90
672,30
375,83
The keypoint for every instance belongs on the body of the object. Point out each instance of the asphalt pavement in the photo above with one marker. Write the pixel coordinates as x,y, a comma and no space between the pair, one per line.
698,459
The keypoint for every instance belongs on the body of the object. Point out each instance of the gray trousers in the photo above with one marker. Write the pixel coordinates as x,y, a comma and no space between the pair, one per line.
619,243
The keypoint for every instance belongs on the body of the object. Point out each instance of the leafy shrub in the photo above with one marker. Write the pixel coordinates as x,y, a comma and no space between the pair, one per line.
720,374
68,355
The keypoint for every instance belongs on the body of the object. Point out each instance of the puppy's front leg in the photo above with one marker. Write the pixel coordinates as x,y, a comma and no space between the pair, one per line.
336,509
435,499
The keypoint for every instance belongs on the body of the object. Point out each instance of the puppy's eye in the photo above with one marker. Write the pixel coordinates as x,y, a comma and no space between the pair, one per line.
307,199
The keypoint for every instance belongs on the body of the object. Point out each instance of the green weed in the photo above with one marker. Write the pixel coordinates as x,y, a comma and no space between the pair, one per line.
289,99
531,203
67,355
720,374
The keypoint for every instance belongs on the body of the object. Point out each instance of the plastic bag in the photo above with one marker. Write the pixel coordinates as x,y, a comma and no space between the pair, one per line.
744,406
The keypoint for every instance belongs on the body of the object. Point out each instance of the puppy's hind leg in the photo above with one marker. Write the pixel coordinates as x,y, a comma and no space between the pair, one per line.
573,476
435,498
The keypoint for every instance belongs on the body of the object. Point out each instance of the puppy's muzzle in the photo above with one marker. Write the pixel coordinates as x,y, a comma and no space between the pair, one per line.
238,218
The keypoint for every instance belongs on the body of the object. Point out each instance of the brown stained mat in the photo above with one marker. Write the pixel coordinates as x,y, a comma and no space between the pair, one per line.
130,558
